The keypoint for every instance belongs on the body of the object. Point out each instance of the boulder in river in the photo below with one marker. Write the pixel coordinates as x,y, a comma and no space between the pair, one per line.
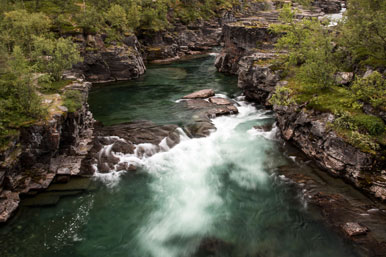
220,101
201,94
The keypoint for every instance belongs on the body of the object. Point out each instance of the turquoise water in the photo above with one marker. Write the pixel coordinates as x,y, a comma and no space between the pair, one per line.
221,187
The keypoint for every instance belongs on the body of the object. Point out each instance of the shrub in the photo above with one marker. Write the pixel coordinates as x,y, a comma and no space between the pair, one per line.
371,89
282,96
72,100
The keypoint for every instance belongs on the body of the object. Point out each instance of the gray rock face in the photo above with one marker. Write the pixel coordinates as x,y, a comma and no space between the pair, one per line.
309,131
256,80
43,152
181,40
241,39
111,63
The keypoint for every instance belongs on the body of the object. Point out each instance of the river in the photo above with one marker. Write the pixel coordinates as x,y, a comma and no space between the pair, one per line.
222,192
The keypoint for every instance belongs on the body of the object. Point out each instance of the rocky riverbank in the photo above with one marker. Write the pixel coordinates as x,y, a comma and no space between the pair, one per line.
249,53
258,78
46,152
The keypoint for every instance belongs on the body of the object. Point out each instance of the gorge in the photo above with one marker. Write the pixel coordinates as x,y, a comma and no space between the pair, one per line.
183,159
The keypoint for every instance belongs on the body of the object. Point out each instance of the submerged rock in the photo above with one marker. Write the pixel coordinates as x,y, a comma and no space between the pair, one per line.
354,229
214,247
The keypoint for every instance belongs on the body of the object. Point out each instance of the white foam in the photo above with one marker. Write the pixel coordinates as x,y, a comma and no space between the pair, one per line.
186,180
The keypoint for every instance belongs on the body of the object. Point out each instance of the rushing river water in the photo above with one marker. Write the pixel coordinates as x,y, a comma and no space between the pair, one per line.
222,189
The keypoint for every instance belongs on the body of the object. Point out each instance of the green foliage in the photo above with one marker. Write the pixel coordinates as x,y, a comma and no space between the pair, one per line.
72,100
366,124
19,102
364,31
310,45
53,56
371,89
90,20
47,86
116,17
282,96
360,130
19,27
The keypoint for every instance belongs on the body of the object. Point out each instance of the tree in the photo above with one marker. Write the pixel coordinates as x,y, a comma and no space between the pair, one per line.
89,20
310,46
19,27
53,56
364,31
18,95
116,17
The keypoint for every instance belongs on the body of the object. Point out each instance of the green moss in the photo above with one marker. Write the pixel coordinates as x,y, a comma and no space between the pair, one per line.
369,123
53,87
72,100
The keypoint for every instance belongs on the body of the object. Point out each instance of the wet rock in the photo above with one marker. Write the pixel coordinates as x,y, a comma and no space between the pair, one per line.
123,147
206,109
340,210
201,128
354,229
136,132
205,93
329,6
9,202
308,130
140,137
126,167
265,128
220,101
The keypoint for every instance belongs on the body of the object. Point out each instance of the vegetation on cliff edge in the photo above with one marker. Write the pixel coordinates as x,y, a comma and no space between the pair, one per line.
320,56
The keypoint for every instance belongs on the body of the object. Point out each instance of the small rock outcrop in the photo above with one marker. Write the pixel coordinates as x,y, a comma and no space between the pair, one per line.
256,77
241,39
106,63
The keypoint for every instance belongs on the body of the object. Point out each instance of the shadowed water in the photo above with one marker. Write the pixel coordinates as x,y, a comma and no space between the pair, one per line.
221,188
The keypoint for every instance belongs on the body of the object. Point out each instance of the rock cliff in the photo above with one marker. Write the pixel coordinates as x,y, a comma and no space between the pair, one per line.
48,151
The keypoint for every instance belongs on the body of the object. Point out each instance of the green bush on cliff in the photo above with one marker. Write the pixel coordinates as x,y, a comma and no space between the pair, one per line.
72,100
363,32
310,46
55,55
371,89
281,96
19,101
